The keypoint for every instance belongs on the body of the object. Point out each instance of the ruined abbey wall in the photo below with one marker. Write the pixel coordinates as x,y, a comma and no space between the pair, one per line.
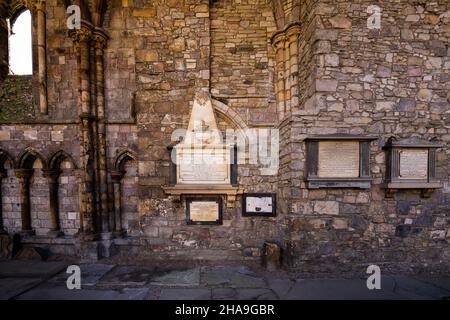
304,68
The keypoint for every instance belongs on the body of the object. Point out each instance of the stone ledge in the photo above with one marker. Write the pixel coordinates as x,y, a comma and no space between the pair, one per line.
230,191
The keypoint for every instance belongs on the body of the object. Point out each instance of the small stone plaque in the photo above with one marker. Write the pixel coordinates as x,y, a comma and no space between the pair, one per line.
204,210
259,204
338,159
413,163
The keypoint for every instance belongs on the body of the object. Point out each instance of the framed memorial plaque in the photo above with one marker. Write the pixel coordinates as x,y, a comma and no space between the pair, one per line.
338,161
411,164
206,211
259,205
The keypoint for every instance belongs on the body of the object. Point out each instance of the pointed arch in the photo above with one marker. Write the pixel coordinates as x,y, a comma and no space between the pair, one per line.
278,13
6,157
122,158
16,8
28,157
229,114
59,157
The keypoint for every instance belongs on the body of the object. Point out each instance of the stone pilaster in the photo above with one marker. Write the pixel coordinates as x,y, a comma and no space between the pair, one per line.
292,34
116,177
278,43
286,47
4,52
99,41
82,41
42,55
2,227
24,175
52,178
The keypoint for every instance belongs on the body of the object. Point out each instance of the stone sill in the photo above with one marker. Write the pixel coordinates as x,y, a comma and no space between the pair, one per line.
426,188
230,191
356,183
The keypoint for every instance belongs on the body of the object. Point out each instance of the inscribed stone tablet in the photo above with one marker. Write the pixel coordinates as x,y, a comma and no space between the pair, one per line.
259,204
338,159
413,164
204,211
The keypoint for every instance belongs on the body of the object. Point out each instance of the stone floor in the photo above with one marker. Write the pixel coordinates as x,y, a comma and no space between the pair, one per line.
33,280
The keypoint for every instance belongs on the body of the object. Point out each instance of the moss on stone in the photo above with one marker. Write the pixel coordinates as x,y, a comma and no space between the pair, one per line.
16,99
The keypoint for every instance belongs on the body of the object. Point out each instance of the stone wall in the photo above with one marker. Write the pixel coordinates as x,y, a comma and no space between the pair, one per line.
388,82
351,80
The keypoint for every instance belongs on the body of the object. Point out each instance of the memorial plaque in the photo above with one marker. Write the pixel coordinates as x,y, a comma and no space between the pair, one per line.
414,163
338,159
259,204
204,210
203,166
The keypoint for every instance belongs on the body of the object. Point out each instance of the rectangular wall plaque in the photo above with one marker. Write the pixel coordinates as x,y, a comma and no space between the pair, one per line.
339,159
413,163
259,204
203,166
204,210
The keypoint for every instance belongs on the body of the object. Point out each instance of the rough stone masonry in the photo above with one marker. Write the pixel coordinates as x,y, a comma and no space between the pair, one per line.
84,140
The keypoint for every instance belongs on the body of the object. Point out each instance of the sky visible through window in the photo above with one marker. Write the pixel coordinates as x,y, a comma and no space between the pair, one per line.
20,57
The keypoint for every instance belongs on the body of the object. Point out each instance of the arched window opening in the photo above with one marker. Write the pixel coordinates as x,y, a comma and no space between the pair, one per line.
20,45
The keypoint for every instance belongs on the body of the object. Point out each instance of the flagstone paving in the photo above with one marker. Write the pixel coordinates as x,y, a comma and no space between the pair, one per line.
30,280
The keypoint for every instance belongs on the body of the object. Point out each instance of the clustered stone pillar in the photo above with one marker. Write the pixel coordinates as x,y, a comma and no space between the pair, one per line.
42,56
2,226
52,178
82,38
4,52
100,40
116,177
285,43
278,43
24,175
292,34
96,209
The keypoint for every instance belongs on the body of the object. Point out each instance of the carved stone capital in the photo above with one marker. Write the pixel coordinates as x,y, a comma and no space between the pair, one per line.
100,39
292,30
51,174
82,35
278,40
116,176
24,175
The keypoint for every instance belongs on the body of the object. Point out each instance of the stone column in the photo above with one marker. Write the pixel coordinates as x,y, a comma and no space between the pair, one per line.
292,34
278,44
82,41
42,55
4,51
24,176
100,40
116,177
52,178
287,75
2,227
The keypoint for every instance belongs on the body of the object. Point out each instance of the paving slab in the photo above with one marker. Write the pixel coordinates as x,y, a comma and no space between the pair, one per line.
31,269
224,294
281,287
233,277
442,282
345,289
410,288
90,274
51,292
11,287
255,294
186,278
185,294
127,276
